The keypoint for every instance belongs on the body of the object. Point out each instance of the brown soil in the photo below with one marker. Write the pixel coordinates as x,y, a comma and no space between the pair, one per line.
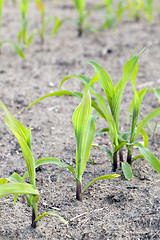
111,209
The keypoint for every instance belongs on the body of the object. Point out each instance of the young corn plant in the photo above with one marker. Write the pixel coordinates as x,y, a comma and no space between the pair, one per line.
135,8
14,46
109,21
84,127
23,37
120,10
148,10
17,184
45,21
80,6
113,96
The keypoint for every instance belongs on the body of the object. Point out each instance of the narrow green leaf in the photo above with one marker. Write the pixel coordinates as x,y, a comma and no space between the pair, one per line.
84,127
106,150
145,137
15,177
13,123
145,121
57,93
136,157
127,73
52,214
100,178
20,188
127,170
56,161
16,48
28,156
153,161
3,180
105,82
103,130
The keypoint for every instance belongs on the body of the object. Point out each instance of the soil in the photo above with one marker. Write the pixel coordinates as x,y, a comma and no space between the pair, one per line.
111,209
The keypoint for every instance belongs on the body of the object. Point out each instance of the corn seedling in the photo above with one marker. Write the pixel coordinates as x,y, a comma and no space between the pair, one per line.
23,35
17,184
82,16
135,8
148,10
45,21
84,127
109,21
14,46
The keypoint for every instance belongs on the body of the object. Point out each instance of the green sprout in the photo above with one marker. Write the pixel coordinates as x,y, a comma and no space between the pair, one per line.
84,127
80,6
22,35
17,184
109,21
45,21
14,46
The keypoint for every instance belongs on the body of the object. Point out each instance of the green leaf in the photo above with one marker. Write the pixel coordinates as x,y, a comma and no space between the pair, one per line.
127,170
56,161
106,150
13,123
127,73
108,117
103,130
16,48
84,127
136,157
157,93
20,188
57,93
153,161
145,137
21,134
15,177
141,95
52,214
100,178
145,121
105,82
28,158
3,180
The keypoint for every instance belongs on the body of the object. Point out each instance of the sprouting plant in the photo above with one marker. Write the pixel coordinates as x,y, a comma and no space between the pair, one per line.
137,130
113,96
46,21
17,184
148,10
135,8
109,21
80,6
15,47
121,8
23,35
84,127
110,111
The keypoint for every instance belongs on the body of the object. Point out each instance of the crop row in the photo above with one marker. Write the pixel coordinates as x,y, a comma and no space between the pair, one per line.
112,11
83,119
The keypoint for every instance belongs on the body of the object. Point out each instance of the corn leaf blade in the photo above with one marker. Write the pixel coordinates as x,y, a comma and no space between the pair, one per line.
51,214
100,178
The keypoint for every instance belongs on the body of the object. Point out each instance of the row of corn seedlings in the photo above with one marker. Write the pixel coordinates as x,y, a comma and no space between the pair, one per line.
112,10
84,126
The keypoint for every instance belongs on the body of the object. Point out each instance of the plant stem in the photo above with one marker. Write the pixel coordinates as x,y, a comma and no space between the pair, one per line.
79,32
34,215
120,156
129,155
78,190
114,167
